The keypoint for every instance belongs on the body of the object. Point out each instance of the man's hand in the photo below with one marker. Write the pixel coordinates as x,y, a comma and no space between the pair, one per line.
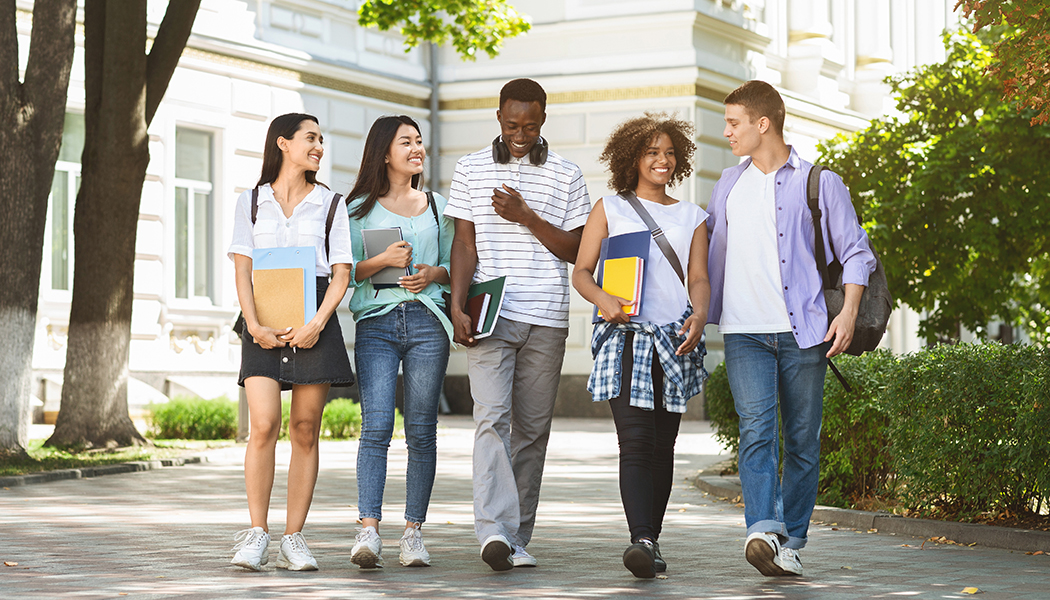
462,328
509,204
841,328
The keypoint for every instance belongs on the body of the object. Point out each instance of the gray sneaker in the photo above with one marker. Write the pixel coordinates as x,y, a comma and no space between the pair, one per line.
496,553
252,546
522,558
368,551
295,554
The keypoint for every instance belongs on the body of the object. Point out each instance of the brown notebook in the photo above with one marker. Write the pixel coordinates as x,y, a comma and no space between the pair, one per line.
279,297
478,309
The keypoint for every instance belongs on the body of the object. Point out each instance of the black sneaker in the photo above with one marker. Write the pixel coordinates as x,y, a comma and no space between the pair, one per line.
640,559
658,560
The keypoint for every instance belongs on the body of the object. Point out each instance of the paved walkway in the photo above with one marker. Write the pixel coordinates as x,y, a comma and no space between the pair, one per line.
166,533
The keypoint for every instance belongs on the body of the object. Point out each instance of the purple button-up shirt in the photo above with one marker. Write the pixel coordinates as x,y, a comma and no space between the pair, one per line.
803,288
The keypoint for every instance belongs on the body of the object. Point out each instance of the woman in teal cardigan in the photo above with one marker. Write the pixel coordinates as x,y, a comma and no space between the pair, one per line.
404,325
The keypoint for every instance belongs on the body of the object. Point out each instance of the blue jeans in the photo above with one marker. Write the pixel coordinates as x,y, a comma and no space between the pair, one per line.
409,335
766,371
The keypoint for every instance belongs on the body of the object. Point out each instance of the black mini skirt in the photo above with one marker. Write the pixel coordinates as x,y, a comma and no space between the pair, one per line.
326,362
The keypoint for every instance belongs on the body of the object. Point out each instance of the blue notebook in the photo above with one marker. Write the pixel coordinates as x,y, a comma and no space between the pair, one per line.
300,258
623,246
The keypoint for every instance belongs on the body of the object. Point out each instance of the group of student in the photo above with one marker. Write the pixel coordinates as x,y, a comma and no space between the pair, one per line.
519,210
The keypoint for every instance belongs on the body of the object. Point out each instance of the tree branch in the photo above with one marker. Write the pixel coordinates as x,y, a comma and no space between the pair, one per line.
8,49
167,49
51,46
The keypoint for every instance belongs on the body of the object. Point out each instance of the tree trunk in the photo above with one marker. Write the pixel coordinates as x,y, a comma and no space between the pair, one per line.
123,87
31,119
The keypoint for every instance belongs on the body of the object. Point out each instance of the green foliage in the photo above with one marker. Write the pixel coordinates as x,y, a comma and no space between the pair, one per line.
194,419
341,420
471,25
854,455
1022,56
855,460
952,194
720,409
969,428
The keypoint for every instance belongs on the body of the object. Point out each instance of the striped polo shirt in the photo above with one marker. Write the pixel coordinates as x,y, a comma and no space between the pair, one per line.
537,289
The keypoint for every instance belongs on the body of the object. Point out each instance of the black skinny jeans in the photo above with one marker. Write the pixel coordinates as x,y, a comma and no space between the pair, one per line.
647,440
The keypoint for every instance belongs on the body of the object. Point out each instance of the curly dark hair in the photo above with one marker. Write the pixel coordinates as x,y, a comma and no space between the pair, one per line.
631,138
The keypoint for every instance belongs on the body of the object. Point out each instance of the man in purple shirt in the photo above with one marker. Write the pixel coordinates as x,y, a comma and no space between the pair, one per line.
767,299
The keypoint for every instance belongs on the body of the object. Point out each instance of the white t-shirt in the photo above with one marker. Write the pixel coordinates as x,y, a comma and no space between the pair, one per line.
304,228
664,297
753,300
537,288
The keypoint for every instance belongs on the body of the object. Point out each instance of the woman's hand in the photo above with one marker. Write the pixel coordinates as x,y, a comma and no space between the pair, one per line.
693,330
398,254
611,308
267,337
424,276
304,337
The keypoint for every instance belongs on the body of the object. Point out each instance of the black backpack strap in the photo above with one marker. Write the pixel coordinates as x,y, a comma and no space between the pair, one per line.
255,204
434,211
813,199
328,225
657,233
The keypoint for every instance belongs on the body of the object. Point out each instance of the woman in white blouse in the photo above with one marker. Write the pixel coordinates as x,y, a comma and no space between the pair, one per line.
289,208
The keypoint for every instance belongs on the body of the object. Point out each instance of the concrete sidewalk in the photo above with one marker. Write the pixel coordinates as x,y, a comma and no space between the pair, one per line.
167,533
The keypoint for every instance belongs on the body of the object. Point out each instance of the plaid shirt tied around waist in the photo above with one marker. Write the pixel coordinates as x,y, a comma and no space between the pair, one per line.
683,375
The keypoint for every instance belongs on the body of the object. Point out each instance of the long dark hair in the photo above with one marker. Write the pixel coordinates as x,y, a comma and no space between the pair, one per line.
285,126
372,180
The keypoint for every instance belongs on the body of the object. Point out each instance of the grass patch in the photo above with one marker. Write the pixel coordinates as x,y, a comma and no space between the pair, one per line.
50,459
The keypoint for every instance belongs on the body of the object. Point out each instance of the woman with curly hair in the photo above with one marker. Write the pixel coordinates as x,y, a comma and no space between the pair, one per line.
648,366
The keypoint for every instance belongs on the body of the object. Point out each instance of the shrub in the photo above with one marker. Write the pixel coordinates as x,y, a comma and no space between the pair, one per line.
194,419
720,410
969,425
855,458
341,420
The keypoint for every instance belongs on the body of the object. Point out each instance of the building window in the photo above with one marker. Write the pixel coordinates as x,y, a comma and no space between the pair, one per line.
194,222
64,189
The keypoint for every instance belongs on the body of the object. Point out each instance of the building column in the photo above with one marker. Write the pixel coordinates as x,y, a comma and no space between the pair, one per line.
874,57
813,61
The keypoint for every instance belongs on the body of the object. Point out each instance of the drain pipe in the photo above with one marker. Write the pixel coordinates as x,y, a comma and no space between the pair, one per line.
434,147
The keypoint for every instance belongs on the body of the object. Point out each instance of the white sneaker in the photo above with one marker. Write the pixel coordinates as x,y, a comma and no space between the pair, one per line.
496,553
368,551
522,558
762,550
413,553
252,546
789,561
295,554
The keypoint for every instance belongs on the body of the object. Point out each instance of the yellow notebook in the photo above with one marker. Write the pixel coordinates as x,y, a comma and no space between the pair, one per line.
623,277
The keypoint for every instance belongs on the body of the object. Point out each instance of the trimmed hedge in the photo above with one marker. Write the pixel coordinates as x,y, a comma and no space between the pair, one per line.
971,428
954,430
189,418
198,419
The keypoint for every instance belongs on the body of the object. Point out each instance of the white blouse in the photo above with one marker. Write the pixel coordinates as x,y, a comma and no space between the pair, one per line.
304,228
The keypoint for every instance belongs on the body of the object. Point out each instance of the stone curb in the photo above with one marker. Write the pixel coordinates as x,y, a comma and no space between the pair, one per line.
1025,540
129,467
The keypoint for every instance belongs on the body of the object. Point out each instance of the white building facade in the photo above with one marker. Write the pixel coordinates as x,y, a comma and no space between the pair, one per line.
601,61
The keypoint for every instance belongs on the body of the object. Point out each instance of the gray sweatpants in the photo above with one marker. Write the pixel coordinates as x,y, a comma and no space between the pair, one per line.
514,376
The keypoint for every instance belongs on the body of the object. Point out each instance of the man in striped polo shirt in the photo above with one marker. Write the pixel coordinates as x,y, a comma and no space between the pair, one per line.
519,211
